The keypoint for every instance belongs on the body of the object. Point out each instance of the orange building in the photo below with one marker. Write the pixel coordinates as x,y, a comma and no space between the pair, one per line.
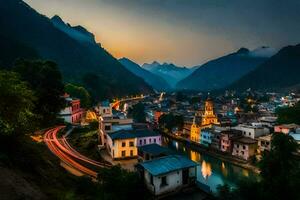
209,118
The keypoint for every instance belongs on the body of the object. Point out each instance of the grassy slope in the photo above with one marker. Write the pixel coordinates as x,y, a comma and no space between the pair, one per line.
28,170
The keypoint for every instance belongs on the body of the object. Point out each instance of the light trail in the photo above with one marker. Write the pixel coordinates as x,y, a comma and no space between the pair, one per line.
63,150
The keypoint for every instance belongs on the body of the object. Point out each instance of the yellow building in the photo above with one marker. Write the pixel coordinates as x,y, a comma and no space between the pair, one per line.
195,132
209,118
122,145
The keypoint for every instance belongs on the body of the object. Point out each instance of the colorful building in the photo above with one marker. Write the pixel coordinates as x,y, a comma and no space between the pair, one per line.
168,174
209,118
124,144
195,132
227,138
244,147
286,128
72,113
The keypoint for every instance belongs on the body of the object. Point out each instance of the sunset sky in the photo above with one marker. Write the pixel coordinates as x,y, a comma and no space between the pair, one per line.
185,32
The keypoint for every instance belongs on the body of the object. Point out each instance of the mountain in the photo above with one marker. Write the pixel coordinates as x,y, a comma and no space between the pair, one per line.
168,71
223,71
80,58
279,72
155,81
78,33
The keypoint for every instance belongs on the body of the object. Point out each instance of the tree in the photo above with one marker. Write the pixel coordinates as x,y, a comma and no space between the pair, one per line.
45,80
80,93
280,174
280,170
16,105
137,112
118,183
170,121
289,114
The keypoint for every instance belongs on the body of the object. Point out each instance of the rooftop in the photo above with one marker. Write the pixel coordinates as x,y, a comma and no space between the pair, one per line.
154,149
289,125
126,134
245,140
266,138
167,164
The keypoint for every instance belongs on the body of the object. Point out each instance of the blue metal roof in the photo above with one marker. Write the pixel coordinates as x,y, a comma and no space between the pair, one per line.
167,164
126,134
154,149
121,134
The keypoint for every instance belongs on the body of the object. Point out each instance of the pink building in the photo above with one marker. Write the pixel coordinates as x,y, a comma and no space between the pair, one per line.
244,147
226,140
286,128
72,113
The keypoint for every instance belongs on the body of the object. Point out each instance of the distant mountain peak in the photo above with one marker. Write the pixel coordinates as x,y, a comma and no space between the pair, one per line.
155,63
263,51
57,19
77,32
243,50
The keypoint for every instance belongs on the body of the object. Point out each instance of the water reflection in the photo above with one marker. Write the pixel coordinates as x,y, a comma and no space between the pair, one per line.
224,170
206,169
211,171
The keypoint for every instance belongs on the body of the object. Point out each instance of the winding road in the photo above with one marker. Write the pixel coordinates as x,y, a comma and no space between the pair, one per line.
67,154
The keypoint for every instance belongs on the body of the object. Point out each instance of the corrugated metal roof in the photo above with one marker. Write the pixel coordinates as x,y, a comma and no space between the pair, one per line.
125,134
167,164
154,149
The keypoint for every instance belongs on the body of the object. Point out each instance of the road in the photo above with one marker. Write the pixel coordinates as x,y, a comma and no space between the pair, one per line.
67,154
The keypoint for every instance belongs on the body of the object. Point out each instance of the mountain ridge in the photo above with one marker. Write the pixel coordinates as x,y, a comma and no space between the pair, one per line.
222,71
155,81
88,65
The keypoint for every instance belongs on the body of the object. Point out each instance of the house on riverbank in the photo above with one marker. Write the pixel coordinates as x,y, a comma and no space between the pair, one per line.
168,174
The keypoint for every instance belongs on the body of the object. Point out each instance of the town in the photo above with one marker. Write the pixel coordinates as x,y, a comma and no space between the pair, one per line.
160,99
138,132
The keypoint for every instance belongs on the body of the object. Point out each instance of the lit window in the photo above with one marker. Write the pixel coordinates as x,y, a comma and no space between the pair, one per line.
131,144
123,144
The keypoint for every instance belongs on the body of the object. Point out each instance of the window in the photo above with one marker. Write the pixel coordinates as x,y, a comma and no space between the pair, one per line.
123,144
150,140
163,181
242,152
131,144
237,151
154,140
249,133
144,141
238,146
244,147
141,142
123,153
107,127
131,152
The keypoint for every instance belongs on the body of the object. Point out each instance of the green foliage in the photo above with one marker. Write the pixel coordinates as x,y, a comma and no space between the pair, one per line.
137,112
94,125
80,93
45,80
289,114
16,105
121,184
170,121
280,174
280,170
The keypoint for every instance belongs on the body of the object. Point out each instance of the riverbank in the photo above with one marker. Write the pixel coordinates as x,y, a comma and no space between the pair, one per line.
214,153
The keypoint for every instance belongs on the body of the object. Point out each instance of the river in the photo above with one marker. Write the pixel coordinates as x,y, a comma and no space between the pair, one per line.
211,171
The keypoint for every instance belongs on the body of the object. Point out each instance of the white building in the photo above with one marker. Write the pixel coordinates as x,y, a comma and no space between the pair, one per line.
252,131
168,174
